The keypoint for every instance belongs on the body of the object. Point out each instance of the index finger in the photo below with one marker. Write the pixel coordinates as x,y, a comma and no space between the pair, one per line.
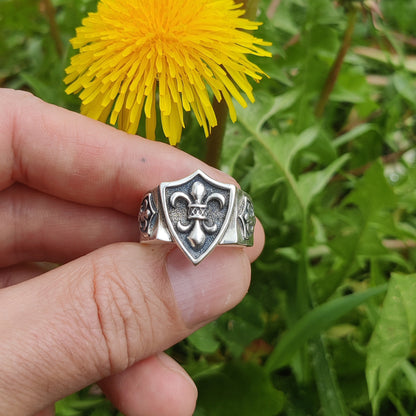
79,159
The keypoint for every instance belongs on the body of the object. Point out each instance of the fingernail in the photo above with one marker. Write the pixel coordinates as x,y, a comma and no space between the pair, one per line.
212,287
170,364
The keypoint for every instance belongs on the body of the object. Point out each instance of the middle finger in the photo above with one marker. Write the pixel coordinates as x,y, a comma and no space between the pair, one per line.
40,227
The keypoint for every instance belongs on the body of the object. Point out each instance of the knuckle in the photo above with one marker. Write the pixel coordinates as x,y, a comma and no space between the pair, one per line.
127,310
14,99
114,311
15,105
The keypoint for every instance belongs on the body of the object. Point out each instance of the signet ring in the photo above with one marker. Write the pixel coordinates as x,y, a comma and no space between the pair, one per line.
197,213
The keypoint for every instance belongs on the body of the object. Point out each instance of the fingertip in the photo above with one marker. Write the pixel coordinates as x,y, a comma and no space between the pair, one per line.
259,239
49,411
155,386
183,378
216,285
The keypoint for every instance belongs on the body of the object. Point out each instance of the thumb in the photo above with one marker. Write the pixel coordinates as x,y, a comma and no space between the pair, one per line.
99,314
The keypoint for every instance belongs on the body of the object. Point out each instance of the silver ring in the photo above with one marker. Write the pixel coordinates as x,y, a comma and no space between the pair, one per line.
197,213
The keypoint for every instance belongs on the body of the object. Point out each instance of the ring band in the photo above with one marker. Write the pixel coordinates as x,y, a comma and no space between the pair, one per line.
197,213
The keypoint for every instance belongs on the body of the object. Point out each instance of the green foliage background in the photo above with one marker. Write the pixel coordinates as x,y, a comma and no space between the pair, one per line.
328,327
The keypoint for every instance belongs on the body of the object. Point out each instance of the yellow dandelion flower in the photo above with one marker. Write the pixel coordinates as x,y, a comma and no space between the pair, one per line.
137,55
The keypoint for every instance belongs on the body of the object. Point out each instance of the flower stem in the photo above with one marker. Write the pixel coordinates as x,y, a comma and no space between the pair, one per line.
216,137
251,7
336,67
50,12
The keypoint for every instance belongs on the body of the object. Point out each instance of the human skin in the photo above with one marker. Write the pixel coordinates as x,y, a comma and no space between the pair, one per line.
69,194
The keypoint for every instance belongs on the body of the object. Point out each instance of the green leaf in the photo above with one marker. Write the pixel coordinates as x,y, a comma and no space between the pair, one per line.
284,20
238,389
391,342
311,184
332,400
273,159
373,193
242,325
352,86
313,323
77,403
236,141
205,340
323,12
40,88
404,85
237,329
255,115
381,56
285,148
410,372
360,232
280,103
353,134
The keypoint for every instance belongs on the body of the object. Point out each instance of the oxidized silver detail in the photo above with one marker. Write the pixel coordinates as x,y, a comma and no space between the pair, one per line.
147,214
247,218
197,213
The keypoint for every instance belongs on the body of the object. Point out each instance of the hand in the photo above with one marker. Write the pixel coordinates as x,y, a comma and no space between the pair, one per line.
70,190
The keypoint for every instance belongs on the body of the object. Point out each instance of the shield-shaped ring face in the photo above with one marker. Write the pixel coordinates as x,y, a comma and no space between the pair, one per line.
197,210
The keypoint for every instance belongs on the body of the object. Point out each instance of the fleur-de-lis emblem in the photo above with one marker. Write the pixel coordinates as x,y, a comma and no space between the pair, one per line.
197,213
197,210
